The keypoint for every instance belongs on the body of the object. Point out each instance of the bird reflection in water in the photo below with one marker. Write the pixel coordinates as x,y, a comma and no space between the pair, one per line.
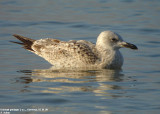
73,80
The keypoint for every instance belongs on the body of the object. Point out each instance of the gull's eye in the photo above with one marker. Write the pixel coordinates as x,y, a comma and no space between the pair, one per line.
114,39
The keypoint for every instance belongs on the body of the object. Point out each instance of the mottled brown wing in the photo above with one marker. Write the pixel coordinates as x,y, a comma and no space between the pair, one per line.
65,54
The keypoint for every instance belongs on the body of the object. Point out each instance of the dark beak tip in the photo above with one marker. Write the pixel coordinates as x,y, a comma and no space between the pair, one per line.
134,47
131,46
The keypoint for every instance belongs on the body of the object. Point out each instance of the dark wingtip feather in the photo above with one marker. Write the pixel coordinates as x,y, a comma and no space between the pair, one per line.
22,38
17,42
26,42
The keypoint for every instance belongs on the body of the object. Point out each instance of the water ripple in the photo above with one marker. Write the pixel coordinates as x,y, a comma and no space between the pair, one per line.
154,55
154,42
47,101
33,23
150,30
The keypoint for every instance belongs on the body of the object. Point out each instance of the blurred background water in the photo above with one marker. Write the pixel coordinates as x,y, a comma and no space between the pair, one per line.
134,90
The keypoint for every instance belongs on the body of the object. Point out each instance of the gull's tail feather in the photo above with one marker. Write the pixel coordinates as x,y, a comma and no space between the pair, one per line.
26,42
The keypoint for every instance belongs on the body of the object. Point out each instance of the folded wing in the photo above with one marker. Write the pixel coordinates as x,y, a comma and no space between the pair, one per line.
61,53
65,54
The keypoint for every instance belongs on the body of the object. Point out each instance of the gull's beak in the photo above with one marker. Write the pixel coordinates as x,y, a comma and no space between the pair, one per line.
128,45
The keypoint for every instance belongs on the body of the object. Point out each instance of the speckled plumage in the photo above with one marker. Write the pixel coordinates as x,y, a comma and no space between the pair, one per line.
104,54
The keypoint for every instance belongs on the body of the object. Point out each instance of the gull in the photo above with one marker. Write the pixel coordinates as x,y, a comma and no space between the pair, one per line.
104,54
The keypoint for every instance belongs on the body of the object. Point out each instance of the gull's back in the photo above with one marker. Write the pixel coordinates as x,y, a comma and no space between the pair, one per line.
62,54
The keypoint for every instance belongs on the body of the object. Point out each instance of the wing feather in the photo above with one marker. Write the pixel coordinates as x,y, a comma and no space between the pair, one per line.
67,54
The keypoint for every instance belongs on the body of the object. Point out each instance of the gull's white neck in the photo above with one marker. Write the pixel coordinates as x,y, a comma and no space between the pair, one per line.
109,58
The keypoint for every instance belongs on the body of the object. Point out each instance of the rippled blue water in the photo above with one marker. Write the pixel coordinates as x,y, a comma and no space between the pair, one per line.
134,90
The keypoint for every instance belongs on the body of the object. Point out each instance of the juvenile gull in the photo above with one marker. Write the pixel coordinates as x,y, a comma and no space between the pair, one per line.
78,54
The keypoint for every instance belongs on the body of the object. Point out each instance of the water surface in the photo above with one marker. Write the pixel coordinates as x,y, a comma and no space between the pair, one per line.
27,82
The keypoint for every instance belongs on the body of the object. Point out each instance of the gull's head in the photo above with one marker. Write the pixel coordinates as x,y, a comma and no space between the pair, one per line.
112,40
